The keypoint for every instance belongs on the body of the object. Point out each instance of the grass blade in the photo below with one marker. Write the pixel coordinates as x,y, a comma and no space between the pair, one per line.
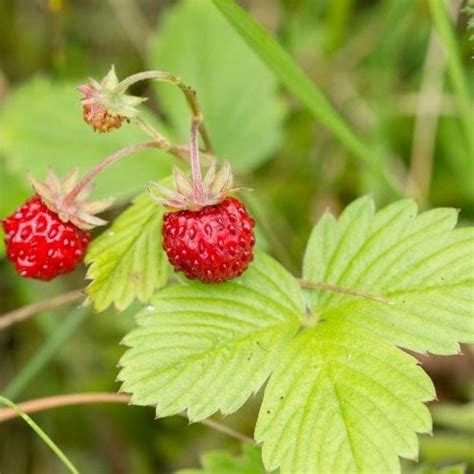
301,86
444,27
48,441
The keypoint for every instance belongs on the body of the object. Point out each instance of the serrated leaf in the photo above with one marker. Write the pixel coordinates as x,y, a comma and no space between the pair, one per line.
223,462
127,261
341,400
204,348
420,263
41,126
236,91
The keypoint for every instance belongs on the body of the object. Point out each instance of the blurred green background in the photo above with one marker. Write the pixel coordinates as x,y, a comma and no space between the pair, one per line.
379,63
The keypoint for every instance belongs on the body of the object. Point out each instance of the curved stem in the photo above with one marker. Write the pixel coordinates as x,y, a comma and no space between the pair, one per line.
195,162
189,94
128,150
47,403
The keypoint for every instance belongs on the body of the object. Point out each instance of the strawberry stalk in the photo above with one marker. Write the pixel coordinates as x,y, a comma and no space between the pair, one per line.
198,191
128,150
189,94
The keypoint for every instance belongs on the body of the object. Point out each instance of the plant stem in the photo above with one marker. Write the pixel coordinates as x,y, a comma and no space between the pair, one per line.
153,132
189,94
17,411
118,155
25,312
342,289
195,162
42,404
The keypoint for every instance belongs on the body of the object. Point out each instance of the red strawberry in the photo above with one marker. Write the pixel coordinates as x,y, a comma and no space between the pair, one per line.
48,235
40,244
213,244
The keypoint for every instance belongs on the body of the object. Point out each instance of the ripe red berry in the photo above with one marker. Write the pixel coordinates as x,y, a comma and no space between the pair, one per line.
40,244
214,244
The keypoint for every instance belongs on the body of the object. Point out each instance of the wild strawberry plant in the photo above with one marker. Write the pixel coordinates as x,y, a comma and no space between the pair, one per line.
328,350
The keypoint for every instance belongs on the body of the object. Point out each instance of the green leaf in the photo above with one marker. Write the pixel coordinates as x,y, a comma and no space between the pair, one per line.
418,262
236,91
341,400
127,261
298,83
41,126
204,348
223,462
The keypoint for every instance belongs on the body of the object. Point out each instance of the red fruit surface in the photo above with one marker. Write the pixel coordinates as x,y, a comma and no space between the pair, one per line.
40,244
214,244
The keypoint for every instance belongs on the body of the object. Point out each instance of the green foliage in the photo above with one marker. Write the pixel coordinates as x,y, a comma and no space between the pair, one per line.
444,26
299,84
41,127
204,348
460,417
127,261
456,469
418,262
341,396
236,91
343,401
223,462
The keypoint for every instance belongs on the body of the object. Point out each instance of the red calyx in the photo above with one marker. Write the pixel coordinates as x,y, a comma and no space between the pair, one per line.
213,244
40,244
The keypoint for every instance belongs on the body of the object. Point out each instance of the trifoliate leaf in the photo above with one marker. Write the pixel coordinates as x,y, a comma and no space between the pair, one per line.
127,261
204,348
237,92
41,126
223,462
341,400
419,263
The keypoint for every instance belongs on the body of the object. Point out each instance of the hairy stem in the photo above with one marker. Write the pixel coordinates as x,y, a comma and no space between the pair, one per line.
153,132
196,162
342,289
118,155
189,94
47,403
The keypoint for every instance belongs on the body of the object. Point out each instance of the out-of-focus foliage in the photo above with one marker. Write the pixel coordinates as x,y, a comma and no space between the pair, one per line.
223,462
41,127
237,92
371,59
